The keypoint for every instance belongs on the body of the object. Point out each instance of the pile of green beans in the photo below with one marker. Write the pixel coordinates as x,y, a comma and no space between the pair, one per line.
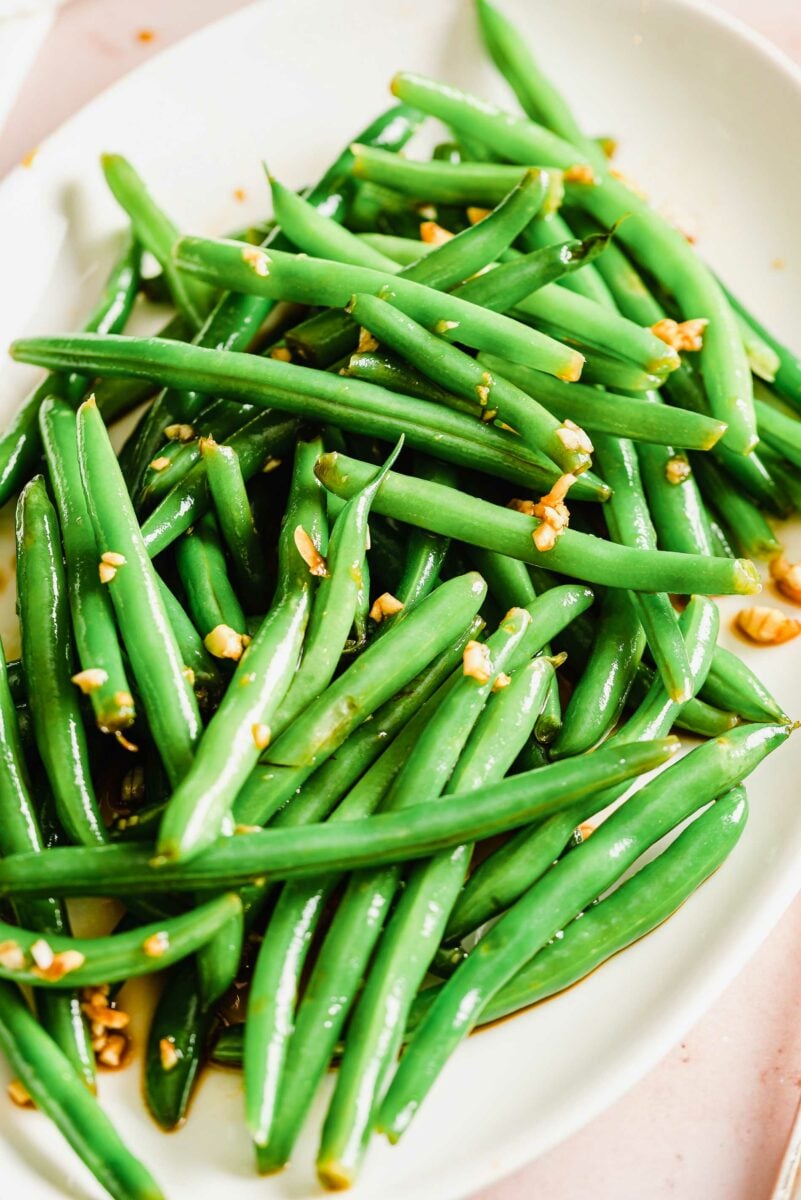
404,573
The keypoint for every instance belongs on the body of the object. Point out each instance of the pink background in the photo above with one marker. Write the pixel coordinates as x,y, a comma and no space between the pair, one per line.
711,1121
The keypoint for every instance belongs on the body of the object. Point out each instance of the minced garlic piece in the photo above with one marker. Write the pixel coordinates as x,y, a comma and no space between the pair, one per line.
579,173
113,1050
224,642
106,572
545,537
483,389
281,353
61,965
42,954
168,1053
157,944
767,626
681,335
586,829
161,463
502,681
261,735
677,469
19,1094
573,437
113,558
189,676
271,464
367,343
256,259
309,553
433,234
787,577
445,326
180,432
386,605
90,679
522,506
12,956
474,214
476,662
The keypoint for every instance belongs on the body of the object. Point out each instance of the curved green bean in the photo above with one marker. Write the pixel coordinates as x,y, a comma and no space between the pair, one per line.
231,503
61,1094
573,883
167,696
273,854
47,657
443,510
240,729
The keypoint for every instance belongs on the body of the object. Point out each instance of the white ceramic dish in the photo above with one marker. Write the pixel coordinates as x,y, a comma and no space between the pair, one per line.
709,119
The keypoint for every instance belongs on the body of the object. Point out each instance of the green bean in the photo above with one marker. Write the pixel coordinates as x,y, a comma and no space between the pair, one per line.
425,552
629,523
513,282
316,234
96,638
335,603
661,248
538,98
210,596
547,229
634,908
746,525
220,420
787,378
611,412
600,695
762,358
779,430
384,667
437,182
20,445
405,951
273,854
178,1035
420,780
52,1083
20,832
310,280
457,372
503,877
444,510
347,403
240,729
314,794
208,681
722,546
683,388
674,501
509,582
732,683
47,655
167,697
402,250
257,443
157,233
301,905
614,373
236,319
235,516
119,956
573,883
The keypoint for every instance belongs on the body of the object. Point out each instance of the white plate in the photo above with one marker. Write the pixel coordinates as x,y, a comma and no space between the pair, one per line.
709,118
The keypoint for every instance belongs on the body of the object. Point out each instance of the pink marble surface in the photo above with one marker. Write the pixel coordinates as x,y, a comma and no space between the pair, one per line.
711,1121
